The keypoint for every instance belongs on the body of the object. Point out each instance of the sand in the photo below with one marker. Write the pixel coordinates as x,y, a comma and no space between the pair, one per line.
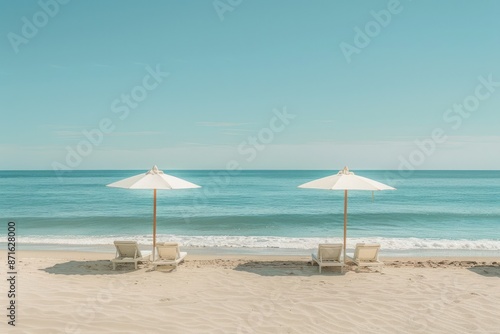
70,292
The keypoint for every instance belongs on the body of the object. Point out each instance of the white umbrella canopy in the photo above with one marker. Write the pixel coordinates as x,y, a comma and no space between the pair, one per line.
346,180
153,179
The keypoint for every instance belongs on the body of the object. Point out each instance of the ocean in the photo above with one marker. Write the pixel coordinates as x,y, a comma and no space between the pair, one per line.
431,212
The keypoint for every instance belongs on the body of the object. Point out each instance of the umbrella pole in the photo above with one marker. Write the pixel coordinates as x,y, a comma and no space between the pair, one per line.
345,223
154,225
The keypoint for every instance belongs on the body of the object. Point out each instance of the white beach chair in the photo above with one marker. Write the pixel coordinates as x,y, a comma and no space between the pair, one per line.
329,255
129,252
168,254
366,255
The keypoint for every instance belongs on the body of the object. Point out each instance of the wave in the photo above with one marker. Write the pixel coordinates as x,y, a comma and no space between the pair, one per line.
271,242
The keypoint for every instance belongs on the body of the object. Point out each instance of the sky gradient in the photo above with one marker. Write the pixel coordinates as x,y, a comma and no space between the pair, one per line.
265,84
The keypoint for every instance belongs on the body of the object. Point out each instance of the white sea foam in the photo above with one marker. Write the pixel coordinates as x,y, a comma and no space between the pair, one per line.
271,242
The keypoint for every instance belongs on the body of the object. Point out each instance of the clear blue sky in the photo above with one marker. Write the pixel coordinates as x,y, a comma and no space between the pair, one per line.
226,76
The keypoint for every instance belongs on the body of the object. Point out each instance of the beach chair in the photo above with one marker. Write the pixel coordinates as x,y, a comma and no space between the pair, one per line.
329,255
366,255
129,252
168,254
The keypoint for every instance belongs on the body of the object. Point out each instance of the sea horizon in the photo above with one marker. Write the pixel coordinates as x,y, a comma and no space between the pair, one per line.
246,169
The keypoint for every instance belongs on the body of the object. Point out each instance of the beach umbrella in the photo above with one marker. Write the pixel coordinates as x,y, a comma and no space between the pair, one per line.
346,180
154,179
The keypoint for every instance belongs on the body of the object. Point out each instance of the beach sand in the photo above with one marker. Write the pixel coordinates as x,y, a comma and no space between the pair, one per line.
71,292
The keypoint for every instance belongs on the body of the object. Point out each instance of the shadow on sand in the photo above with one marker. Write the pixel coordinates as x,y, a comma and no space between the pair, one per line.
286,268
488,271
100,267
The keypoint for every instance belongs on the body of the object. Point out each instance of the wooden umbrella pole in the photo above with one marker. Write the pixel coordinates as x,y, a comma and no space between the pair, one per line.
154,225
345,223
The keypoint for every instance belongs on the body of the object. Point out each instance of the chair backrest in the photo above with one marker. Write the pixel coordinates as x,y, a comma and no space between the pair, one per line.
366,252
329,252
127,249
168,250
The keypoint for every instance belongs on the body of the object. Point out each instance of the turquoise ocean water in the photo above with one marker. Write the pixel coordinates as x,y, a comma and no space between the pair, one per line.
431,212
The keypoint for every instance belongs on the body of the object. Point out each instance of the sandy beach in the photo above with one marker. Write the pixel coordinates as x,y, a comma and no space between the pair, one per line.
71,292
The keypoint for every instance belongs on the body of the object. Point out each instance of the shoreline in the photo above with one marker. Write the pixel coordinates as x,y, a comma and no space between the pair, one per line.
271,251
